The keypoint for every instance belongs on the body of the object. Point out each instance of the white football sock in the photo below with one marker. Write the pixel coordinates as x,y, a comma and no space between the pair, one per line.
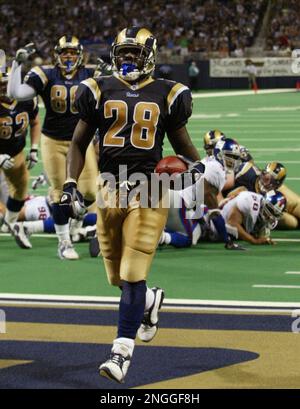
11,217
117,345
34,226
62,231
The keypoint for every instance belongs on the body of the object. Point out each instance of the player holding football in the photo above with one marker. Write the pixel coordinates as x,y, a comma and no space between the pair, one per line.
132,112
57,86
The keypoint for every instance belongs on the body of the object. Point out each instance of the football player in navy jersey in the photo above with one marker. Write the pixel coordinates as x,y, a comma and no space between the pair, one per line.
57,86
15,118
132,112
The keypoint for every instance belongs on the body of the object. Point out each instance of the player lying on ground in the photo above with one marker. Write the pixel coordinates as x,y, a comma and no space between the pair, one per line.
180,230
250,216
251,177
36,217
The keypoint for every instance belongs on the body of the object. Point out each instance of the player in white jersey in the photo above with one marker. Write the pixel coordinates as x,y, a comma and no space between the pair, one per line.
249,216
181,231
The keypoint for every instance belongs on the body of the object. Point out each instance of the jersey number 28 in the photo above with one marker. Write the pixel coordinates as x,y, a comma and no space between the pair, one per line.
143,129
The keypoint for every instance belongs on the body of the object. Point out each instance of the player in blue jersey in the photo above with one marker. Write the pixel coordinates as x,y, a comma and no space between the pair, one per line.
57,86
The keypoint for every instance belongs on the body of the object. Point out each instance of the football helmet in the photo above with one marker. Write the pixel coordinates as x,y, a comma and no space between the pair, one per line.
245,154
271,177
133,53
227,152
210,139
68,62
272,206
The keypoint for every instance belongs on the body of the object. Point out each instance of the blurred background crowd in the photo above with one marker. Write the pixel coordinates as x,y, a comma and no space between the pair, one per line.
185,29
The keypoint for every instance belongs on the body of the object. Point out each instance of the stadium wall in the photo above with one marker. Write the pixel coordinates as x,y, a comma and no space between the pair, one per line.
179,72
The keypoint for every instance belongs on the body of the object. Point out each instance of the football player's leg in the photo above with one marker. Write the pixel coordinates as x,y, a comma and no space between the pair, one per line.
137,255
109,233
54,155
17,178
291,217
288,222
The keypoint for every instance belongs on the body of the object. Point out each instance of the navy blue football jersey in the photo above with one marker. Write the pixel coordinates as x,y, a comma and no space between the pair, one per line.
58,93
132,119
14,122
247,176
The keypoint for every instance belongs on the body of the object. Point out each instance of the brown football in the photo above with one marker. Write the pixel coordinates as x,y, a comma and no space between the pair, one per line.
170,165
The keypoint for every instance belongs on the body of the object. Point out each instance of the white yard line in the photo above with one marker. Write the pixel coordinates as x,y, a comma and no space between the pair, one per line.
246,92
276,286
293,272
73,300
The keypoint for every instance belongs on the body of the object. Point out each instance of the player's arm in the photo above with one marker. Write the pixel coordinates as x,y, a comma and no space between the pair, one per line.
235,220
35,135
179,104
236,192
15,88
82,137
182,144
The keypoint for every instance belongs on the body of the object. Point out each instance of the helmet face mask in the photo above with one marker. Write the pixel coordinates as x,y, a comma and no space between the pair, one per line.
210,139
227,152
68,54
272,177
272,207
133,54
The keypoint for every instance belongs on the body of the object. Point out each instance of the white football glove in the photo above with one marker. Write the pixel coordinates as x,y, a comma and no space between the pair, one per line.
32,158
6,161
24,53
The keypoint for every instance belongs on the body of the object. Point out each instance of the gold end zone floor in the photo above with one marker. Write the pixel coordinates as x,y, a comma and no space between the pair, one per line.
62,348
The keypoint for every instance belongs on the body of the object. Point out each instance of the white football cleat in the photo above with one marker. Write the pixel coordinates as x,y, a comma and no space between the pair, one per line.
116,367
21,235
149,326
66,251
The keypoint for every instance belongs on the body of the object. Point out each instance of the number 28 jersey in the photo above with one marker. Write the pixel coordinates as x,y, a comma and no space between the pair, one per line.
132,119
58,93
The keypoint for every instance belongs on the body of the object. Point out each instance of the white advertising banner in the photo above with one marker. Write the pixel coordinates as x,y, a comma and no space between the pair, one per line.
266,67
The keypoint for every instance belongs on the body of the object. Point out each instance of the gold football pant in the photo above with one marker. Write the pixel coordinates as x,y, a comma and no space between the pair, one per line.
17,178
54,155
128,238
290,218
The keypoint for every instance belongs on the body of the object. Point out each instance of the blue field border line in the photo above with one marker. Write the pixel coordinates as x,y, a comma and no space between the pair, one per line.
179,320
169,304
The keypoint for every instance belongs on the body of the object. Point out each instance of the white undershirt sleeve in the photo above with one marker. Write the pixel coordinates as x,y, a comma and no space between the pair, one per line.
15,88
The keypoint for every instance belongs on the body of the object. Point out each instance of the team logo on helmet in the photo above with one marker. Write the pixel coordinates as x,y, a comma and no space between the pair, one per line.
272,206
133,53
65,62
210,139
227,152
